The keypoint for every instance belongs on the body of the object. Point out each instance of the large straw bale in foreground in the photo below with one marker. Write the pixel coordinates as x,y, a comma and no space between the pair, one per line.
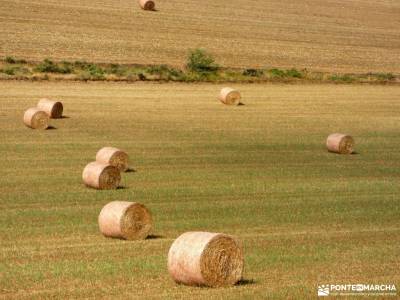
125,220
147,4
204,258
340,143
114,157
230,96
101,176
36,119
53,108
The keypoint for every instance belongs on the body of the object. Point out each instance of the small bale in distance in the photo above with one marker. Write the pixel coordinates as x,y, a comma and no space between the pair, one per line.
101,176
230,96
125,220
114,157
147,4
53,108
340,143
204,258
36,118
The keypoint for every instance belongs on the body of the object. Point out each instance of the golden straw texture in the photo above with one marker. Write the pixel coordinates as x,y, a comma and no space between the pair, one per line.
340,143
204,258
229,96
147,4
125,220
36,119
101,176
114,157
53,108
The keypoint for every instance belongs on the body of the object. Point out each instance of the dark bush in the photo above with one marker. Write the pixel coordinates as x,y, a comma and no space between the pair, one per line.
117,70
253,72
385,76
200,61
48,66
277,73
142,77
12,60
8,71
90,71
293,73
95,70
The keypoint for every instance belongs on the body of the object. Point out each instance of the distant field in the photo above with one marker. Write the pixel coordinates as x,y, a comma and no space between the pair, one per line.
258,171
333,36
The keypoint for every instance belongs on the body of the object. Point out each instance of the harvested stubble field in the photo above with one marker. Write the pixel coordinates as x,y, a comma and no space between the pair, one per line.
258,171
335,36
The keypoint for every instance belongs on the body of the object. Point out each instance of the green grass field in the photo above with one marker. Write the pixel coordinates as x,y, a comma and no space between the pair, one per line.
258,171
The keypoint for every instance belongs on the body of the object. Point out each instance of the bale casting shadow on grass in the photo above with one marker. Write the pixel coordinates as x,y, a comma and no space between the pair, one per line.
246,282
154,237
122,188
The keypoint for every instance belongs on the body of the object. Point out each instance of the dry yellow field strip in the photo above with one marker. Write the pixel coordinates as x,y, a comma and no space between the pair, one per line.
334,36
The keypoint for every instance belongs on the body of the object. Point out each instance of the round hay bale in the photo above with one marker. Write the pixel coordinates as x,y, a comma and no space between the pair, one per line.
113,156
125,220
53,108
147,4
36,119
230,96
204,258
340,143
101,176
